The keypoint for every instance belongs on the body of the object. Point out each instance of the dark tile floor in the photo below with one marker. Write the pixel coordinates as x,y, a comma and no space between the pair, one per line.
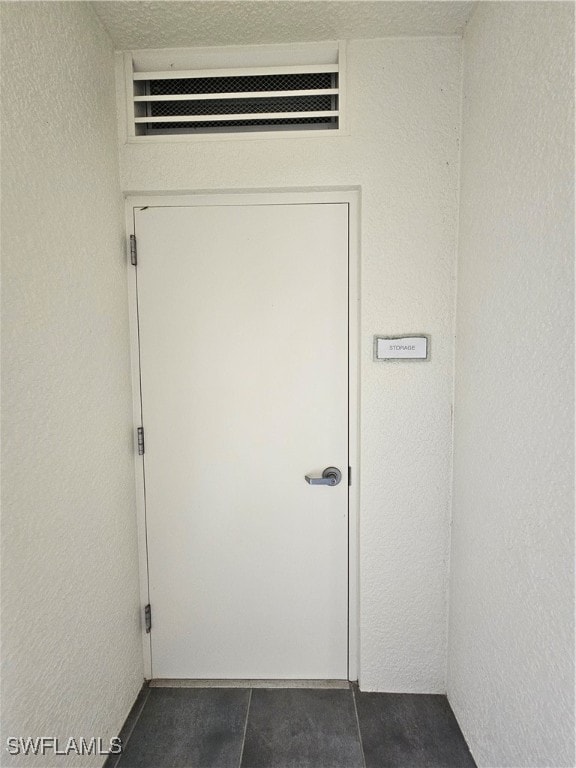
291,728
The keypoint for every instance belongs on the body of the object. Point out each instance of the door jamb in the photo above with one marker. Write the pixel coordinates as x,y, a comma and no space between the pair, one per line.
351,197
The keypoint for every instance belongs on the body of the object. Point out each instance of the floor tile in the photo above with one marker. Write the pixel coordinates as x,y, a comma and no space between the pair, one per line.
129,724
188,728
302,729
401,730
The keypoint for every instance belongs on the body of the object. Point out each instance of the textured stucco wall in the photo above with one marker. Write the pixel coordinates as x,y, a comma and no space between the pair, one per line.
511,644
403,97
71,648
133,24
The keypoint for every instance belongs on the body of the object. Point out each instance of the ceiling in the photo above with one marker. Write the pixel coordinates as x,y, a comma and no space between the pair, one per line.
175,24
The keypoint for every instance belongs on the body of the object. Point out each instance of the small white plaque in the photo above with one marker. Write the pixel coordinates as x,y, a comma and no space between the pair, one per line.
401,348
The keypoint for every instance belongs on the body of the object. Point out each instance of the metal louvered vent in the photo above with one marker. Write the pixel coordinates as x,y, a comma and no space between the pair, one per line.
287,98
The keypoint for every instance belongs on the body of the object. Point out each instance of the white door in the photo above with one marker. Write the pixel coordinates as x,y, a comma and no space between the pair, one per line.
243,324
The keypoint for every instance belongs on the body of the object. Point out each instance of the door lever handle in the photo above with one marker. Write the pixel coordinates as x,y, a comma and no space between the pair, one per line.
330,476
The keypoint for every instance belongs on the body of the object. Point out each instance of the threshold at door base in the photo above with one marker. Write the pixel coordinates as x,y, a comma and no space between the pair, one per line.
191,683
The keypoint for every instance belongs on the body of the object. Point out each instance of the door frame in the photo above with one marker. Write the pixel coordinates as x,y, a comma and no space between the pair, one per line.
351,197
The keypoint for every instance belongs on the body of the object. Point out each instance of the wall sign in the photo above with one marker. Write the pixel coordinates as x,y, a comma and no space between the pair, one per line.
401,347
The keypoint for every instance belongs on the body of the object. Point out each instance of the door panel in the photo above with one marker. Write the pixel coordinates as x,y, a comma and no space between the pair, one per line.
243,322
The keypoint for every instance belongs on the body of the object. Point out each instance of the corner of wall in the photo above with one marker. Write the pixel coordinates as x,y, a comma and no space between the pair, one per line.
454,372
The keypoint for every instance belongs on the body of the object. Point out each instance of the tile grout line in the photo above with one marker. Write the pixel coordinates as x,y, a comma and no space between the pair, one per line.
245,728
358,726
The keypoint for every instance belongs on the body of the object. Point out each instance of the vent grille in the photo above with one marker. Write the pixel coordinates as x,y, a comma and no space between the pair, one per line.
239,106
226,101
241,84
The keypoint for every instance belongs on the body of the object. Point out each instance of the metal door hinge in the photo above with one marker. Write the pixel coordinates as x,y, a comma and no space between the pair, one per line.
133,251
148,618
140,432
349,475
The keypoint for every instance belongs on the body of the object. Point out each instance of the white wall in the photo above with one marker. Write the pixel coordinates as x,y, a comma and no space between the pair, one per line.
511,644
403,96
71,638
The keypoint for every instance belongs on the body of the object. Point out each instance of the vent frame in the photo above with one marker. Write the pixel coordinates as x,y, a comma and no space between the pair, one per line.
141,68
